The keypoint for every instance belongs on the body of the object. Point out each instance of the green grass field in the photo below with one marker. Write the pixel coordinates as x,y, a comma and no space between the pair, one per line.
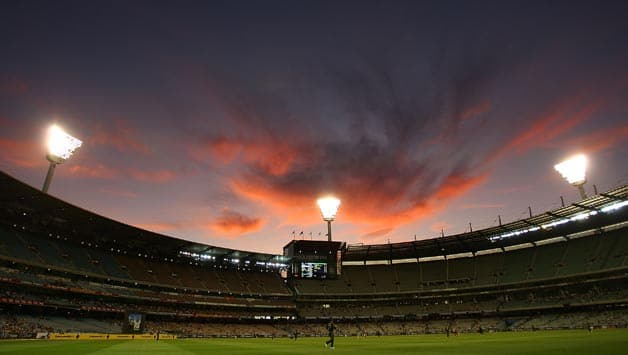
599,342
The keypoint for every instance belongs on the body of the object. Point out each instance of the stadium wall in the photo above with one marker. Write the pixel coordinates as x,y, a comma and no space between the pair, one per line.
103,336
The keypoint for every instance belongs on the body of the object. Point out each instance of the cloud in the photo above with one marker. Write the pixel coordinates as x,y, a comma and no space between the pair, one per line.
120,135
547,128
368,198
102,171
97,171
159,227
474,206
13,86
283,157
274,157
394,149
376,235
22,153
474,111
229,224
158,176
440,227
600,140
223,149
119,192
513,189
234,223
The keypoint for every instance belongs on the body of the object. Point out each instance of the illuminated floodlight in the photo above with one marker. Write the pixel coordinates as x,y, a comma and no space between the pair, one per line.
574,171
61,146
329,208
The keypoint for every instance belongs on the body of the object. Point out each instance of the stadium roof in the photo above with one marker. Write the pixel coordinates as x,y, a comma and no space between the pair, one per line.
45,214
24,205
594,212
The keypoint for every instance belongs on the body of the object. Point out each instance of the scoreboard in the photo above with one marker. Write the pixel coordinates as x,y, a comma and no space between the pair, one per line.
314,259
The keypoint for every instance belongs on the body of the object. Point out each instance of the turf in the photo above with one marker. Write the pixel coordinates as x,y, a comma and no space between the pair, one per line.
551,342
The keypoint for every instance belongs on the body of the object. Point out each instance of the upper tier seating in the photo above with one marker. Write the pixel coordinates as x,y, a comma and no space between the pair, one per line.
62,255
594,253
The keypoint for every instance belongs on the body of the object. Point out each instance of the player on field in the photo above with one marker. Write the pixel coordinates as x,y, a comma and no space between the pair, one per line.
331,327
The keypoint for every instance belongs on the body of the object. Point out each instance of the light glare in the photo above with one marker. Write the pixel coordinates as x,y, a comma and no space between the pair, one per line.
60,144
573,169
329,207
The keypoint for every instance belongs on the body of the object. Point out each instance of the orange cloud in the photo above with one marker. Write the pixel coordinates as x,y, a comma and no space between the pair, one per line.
234,223
25,154
362,202
118,192
152,176
101,171
274,157
440,227
548,126
223,149
120,136
376,235
600,140
98,171
159,227
456,185
295,208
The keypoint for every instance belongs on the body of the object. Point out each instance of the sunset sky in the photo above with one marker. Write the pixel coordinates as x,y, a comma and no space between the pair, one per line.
222,121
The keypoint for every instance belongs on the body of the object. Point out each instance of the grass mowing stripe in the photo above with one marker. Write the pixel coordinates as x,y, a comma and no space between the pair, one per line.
144,347
50,347
553,342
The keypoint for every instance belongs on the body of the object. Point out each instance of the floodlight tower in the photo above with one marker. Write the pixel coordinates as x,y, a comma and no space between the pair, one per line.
574,171
329,208
60,148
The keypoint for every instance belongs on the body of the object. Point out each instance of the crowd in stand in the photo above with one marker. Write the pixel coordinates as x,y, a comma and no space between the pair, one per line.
529,298
12,326
403,306
31,287
20,326
64,255
204,314
119,307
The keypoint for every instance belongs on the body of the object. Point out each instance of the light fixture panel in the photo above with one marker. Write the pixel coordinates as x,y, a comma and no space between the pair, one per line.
329,207
573,169
60,144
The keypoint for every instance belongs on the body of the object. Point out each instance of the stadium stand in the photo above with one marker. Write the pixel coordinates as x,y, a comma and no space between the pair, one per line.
64,269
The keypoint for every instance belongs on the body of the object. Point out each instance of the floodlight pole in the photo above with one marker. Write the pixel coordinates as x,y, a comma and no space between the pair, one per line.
329,230
583,193
51,171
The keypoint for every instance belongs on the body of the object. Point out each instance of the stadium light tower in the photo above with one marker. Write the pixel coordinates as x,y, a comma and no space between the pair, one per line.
60,148
574,171
329,208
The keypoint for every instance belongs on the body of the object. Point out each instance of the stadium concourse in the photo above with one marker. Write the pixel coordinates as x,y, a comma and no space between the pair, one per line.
66,270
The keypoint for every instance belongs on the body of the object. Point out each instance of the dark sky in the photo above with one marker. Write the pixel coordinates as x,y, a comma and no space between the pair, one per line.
222,122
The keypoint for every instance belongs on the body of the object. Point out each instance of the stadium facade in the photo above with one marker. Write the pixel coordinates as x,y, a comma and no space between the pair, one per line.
65,269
